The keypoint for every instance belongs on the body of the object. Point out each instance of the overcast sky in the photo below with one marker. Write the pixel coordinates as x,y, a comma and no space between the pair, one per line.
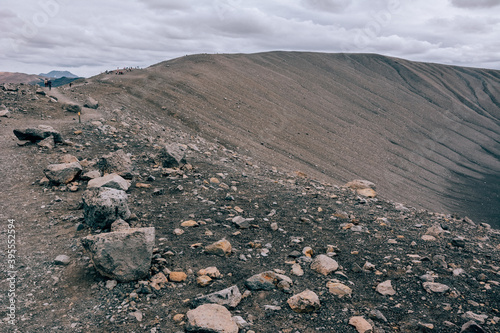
87,37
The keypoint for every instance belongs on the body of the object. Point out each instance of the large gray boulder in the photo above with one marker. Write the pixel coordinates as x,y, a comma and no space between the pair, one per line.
39,133
173,156
63,173
116,162
111,180
123,255
103,205
91,103
211,318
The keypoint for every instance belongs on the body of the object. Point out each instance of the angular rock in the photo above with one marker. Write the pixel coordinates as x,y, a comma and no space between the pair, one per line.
123,255
297,270
230,297
47,143
220,248
117,162
91,175
71,107
305,302
119,225
480,318
37,134
324,264
366,192
435,231
212,272
91,103
435,287
173,156
63,173
204,280
338,289
385,288
62,260
4,113
361,324
472,327
103,205
177,276
111,180
359,184
210,318
268,281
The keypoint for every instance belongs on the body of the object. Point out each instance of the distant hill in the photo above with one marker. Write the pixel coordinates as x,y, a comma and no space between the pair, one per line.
59,81
8,77
59,74
427,134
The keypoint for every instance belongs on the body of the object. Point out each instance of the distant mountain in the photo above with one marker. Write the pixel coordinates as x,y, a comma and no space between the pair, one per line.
59,74
59,81
8,77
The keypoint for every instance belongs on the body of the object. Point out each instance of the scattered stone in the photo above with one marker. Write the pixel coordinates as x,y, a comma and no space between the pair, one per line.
242,323
122,255
111,180
63,173
241,222
385,288
62,260
480,318
212,272
116,162
119,225
47,143
230,297
204,280
173,156
305,302
71,107
268,281
360,184
338,289
178,231
158,281
190,223
435,231
472,327
179,317
211,318
435,287
137,315
102,206
297,270
377,315
91,175
220,248
324,264
4,113
428,238
37,134
366,192
111,284
458,242
361,324
177,276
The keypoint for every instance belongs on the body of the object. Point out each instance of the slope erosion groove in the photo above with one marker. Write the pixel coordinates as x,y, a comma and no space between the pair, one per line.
420,131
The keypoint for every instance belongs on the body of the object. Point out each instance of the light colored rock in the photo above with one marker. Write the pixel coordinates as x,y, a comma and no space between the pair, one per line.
119,225
102,206
68,158
111,284
268,280
366,192
435,287
385,288
158,281
117,162
212,271
204,280
47,143
435,231
173,156
177,276
324,264
211,318
190,223
229,296
480,318
111,180
62,260
137,315
91,103
359,184
428,238
297,270
63,173
361,324
4,113
91,175
305,302
338,289
178,231
220,248
122,255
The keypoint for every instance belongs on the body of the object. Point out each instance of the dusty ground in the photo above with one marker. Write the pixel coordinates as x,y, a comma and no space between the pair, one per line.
73,298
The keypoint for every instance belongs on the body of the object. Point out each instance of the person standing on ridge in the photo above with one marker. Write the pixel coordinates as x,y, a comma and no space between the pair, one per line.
50,85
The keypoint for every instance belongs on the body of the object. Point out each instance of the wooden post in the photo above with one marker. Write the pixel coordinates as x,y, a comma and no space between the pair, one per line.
79,119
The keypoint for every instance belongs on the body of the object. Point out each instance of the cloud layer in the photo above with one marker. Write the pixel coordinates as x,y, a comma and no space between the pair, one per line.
92,36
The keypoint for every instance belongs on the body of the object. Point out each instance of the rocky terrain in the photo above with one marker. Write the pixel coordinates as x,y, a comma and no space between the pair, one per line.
240,244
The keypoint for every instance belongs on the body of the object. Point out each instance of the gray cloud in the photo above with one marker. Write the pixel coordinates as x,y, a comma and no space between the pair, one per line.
475,3
38,36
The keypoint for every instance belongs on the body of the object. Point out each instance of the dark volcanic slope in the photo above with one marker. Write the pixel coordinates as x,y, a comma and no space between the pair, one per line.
426,134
